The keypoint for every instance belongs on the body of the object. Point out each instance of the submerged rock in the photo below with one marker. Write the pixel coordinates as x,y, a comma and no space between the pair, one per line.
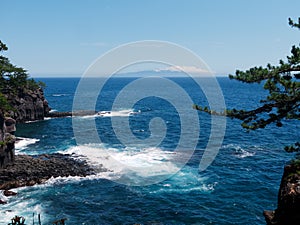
9,193
288,206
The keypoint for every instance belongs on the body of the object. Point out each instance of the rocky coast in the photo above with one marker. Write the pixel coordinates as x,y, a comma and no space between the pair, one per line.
30,170
24,170
288,205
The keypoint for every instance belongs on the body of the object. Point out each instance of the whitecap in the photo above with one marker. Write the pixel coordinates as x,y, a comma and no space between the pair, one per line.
35,121
136,163
119,113
243,154
21,206
239,151
22,143
59,95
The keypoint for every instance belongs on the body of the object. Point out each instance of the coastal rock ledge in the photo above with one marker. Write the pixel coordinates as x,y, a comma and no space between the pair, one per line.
30,170
288,206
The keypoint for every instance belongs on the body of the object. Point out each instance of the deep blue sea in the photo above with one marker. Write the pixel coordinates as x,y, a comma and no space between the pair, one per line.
241,182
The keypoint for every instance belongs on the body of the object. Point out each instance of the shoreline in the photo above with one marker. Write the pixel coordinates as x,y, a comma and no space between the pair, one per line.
37,169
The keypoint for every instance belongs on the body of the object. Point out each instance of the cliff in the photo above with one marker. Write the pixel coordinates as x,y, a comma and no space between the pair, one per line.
288,206
24,104
27,104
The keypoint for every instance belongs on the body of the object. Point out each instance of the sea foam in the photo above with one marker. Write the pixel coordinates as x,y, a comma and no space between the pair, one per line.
23,143
133,163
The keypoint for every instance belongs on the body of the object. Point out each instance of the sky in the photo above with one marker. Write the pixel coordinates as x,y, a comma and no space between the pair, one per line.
63,37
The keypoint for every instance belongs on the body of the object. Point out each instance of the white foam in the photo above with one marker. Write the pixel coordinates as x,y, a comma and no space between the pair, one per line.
142,162
117,113
207,188
21,206
239,151
243,154
59,95
35,121
120,113
22,143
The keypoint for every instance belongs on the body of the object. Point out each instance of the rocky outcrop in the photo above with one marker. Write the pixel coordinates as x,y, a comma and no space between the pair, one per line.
30,170
288,206
67,114
28,105
7,140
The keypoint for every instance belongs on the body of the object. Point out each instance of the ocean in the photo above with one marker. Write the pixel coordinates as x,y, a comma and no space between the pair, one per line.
241,182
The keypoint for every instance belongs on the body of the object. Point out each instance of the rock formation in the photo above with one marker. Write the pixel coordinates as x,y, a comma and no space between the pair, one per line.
28,105
7,140
30,170
25,105
288,206
67,114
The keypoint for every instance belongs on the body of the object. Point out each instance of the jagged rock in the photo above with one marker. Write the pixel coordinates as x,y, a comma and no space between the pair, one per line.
28,105
77,113
9,193
10,125
7,140
2,202
30,170
288,206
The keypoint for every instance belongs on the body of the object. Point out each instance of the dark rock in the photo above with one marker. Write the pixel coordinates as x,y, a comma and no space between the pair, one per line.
30,170
288,206
2,202
66,114
9,193
29,105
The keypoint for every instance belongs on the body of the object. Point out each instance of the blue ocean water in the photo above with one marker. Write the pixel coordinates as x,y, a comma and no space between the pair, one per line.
241,182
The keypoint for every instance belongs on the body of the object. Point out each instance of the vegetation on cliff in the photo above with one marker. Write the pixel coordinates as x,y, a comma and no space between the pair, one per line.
20,97
14,78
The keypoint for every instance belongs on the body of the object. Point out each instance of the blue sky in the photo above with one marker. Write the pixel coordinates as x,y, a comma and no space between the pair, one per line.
62,38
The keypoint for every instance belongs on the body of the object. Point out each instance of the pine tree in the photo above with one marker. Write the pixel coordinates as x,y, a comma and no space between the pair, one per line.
283,100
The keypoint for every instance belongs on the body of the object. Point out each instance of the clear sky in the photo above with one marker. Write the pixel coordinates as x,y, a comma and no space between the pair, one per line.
63,37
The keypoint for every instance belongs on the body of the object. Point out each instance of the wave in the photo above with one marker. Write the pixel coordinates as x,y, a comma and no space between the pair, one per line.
60,95
35,121
117,113
22,205
120,113
134,164
185,181
22,143
241,152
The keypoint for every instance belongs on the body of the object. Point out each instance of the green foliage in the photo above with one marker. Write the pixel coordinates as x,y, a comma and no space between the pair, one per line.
283,100
11,76
4,105
2,144
3,47
33,85
13,79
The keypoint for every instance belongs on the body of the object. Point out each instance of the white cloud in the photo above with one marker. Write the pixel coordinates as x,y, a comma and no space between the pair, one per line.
187,69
